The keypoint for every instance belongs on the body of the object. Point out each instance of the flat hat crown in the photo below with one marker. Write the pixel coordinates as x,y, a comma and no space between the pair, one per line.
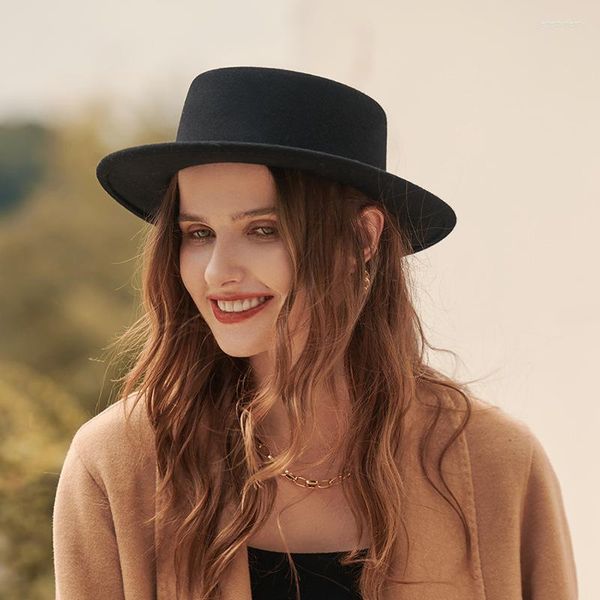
262,105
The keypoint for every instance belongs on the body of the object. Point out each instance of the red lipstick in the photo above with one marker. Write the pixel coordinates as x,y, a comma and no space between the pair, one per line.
236,317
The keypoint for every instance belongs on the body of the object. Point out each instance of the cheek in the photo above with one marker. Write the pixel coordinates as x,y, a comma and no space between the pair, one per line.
191,269
276,273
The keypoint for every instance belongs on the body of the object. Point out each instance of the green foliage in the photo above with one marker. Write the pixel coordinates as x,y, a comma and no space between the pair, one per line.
38,417
23,158
67,258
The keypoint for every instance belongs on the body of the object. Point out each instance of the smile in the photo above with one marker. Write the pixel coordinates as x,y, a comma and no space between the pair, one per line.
235,317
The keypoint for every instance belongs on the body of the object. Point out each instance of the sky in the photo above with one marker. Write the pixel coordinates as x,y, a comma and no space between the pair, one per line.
493,106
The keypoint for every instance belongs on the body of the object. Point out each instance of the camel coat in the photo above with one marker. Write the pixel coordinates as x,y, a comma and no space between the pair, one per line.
497,469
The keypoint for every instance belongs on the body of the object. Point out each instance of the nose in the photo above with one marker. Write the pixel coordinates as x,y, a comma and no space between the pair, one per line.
224,264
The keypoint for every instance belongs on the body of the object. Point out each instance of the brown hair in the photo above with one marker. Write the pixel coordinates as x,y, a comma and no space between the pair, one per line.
204,405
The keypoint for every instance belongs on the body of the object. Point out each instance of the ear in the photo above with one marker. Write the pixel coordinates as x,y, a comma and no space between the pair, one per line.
373,221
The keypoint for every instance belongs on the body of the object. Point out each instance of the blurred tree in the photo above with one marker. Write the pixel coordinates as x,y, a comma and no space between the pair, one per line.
37,420
67,259
23,159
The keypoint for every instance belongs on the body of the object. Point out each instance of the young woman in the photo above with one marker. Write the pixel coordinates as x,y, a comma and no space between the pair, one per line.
279,433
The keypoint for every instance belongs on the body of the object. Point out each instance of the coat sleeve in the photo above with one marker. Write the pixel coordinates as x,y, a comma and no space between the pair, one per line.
547,561
86,556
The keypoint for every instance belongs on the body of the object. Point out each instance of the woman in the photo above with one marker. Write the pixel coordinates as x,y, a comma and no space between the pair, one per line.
279,433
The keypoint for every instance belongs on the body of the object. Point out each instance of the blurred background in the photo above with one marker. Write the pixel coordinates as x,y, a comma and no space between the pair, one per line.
491,106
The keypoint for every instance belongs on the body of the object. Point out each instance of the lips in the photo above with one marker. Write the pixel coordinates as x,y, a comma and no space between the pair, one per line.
242,297
235,317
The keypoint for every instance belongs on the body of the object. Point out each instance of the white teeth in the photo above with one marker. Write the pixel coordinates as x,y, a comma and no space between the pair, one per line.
239,305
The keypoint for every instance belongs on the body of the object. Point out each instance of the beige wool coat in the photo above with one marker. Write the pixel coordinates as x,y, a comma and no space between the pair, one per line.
497,469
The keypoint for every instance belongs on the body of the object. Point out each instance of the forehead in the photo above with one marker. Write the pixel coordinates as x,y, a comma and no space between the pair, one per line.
217,183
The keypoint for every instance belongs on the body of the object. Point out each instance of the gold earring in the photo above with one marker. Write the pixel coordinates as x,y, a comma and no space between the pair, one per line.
367,281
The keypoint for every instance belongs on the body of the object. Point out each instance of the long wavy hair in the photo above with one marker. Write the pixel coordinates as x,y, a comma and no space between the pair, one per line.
205,406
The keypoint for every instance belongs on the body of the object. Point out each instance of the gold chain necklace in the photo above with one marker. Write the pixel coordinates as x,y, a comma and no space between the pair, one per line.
308,483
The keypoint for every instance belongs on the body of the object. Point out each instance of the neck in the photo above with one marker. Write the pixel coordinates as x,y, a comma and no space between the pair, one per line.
330,434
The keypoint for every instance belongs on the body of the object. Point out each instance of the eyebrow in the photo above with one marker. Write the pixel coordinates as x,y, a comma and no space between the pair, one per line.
238,216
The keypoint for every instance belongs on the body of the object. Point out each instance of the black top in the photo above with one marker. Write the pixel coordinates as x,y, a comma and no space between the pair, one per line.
320,576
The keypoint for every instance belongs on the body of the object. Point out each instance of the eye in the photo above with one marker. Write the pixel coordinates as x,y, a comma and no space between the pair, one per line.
273,233
192,234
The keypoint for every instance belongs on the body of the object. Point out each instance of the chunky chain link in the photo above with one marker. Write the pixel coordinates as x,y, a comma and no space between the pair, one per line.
308,483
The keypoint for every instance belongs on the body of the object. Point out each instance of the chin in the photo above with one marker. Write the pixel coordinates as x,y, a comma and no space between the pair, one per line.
241,349
240,353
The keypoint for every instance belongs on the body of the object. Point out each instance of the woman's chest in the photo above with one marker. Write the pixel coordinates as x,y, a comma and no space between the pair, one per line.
311,520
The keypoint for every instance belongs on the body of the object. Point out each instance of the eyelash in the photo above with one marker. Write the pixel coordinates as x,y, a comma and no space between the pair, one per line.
191,235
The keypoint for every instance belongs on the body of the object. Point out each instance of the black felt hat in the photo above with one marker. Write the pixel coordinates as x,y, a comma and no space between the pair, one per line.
282,118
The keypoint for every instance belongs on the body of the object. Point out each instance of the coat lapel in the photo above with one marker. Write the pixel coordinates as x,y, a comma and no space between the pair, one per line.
437,553
437,566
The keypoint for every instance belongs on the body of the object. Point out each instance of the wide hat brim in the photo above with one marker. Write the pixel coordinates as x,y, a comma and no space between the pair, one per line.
137,178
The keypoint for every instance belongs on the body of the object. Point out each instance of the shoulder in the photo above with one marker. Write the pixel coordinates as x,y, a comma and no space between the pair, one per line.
116,441
504,452
491,433
494,433
498,447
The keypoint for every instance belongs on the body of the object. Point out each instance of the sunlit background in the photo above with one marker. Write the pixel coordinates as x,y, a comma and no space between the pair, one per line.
491,106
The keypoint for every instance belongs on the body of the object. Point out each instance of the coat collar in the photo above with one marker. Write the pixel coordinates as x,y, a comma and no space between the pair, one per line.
437,553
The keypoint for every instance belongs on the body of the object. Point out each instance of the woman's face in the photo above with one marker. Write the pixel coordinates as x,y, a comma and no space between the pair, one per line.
222,256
